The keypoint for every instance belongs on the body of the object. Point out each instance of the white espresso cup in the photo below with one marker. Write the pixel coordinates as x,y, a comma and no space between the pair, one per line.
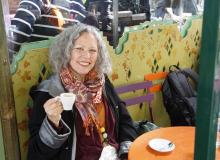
67,100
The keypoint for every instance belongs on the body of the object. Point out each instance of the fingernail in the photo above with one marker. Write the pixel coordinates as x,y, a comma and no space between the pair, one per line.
57,98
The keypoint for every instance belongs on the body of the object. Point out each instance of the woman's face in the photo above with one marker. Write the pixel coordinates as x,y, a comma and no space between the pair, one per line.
84,53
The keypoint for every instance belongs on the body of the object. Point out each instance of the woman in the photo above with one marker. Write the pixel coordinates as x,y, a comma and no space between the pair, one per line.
98,121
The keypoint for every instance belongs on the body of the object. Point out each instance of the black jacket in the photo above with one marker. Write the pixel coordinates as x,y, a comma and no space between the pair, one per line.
46,144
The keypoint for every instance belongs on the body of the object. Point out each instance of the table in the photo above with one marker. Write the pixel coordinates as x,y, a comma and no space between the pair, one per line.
182,137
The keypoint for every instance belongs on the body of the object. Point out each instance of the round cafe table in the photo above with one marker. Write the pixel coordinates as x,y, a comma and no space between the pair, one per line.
182,137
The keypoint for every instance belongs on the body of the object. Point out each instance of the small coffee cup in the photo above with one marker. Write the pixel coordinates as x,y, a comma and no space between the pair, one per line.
67,100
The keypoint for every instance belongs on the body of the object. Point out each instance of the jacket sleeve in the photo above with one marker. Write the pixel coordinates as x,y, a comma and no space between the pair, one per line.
44,143
126,129
22,24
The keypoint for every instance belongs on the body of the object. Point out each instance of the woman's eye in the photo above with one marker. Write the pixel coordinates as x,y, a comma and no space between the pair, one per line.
92,51
79,49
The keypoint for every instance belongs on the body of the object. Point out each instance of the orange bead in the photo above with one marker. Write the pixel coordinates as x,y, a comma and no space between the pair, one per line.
102,129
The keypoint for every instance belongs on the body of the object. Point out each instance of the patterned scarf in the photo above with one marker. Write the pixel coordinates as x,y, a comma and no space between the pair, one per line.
88,93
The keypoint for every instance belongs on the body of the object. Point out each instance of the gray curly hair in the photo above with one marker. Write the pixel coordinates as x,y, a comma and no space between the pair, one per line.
60,50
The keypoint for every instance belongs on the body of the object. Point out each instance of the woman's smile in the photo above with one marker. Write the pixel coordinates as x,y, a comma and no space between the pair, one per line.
84,63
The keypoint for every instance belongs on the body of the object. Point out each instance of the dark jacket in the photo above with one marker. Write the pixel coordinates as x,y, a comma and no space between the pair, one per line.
46,144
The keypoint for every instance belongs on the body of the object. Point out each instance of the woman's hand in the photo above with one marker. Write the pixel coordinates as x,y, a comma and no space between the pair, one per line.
53,108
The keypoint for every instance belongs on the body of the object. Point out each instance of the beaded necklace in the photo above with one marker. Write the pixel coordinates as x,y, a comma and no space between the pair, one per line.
104,136
101,124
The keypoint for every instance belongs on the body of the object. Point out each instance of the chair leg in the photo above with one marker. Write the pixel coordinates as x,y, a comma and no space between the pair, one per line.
151,113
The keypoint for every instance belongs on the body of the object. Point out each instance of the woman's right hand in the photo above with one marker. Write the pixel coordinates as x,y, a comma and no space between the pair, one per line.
53,108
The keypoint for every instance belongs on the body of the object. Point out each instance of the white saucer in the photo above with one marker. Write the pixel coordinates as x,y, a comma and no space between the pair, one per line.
161,145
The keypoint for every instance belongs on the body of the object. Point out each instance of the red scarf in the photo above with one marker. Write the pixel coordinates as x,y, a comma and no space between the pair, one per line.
88,93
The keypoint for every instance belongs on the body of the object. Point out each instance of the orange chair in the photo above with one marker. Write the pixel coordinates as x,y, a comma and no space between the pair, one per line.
158,77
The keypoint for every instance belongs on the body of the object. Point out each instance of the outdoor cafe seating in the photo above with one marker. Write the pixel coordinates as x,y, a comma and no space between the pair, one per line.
151,45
